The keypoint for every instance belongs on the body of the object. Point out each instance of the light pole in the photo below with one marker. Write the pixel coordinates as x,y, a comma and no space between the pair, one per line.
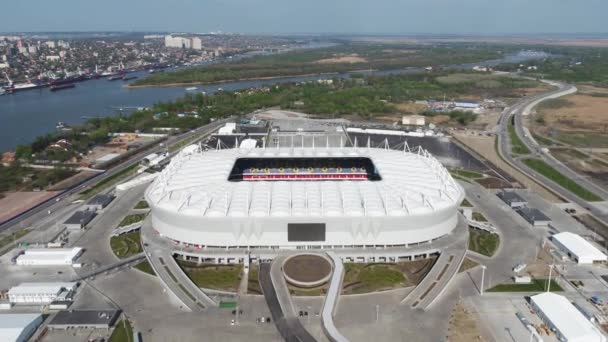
483,273
549,282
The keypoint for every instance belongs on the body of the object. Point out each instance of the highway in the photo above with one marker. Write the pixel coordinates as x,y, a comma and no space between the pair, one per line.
66,198
524,107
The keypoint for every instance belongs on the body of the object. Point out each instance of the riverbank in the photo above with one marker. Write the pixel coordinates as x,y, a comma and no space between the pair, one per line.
182,84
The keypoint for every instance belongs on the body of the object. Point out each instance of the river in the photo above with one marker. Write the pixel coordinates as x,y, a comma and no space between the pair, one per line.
28,114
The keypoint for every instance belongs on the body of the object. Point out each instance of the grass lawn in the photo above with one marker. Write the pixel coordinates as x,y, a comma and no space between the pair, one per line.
567,183
107,182
126,245
483,242
537,285
8,239
477,216
123,332
142,205
130,219
253,285
466,203
364,278
517,146
211,276
466,173
144,266
543,140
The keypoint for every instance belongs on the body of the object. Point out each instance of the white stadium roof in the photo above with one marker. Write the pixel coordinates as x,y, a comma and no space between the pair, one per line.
195,183
566,318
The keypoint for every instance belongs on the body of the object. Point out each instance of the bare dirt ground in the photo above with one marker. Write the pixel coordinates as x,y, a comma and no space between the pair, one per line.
487,121
15,202
350,59
540,268
485,147
411,107
463,326
584,112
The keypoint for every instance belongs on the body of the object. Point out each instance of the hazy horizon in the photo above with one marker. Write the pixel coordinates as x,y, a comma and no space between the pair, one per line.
383,17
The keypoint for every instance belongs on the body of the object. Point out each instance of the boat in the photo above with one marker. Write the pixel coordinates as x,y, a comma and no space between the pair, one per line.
25,86
2,91
56,87
191,88
62,126
115,78
127,78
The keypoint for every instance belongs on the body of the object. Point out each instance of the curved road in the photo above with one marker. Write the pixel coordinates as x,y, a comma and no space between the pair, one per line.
522,108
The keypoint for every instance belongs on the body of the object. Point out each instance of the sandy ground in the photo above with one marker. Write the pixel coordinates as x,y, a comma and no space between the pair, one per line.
485,147
463,326
15,202
354,58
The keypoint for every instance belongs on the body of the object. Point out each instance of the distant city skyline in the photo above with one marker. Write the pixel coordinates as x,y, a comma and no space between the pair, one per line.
478,17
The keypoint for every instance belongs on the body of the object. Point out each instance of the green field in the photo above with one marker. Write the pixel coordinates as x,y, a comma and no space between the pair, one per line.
335,59
131,219
466,203
144,266
466,173
517,146
123,332
211,276
477,216
537,285
107,182
483,242
364,278
142,205
565,182
8,239
126,245
253,285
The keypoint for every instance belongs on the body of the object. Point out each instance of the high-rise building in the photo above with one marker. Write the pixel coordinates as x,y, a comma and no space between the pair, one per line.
197,43
178,42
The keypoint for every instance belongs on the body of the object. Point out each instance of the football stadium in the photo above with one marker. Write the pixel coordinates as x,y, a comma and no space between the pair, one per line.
303,198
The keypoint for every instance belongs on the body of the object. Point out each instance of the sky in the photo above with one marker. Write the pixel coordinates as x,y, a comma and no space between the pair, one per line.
480,17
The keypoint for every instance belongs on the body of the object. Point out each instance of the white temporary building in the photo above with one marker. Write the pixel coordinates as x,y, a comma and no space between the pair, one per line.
579,249
40,293
18,327
49,256
569,324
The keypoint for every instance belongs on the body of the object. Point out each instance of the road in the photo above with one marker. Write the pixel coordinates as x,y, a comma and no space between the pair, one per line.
504,149
280,304
66,198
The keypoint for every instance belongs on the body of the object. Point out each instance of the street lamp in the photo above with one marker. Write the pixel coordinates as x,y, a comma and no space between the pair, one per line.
483,273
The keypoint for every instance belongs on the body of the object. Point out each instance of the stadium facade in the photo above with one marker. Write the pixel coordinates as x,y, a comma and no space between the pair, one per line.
293,198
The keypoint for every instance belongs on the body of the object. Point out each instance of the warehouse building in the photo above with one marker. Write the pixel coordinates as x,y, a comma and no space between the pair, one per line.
99,202
49,256
569,324
41,293
79,219
84,319
512,199
578,249
534,216
18,327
